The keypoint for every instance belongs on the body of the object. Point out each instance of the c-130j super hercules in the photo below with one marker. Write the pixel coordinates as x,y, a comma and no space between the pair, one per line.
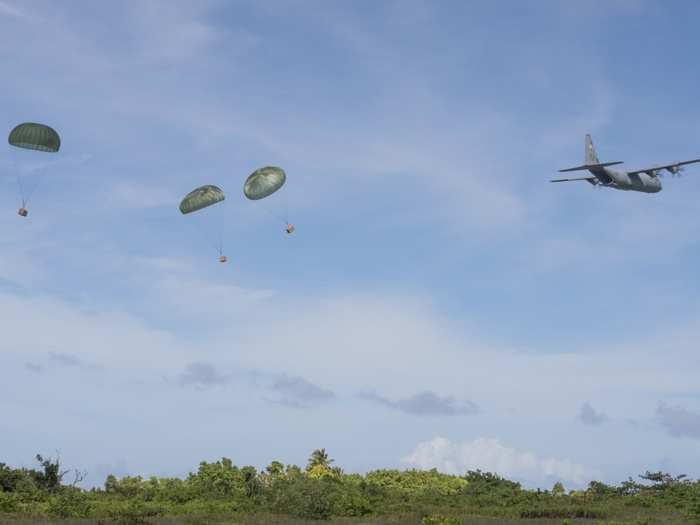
645,180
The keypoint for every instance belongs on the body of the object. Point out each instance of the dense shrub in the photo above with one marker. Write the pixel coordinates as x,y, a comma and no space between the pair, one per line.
439,519
322,491
304,497
70,503
9,502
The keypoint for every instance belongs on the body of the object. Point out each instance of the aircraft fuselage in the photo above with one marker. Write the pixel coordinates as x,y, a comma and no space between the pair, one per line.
621,180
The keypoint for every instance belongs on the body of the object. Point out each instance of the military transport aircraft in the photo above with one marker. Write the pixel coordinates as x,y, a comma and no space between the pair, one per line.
645,180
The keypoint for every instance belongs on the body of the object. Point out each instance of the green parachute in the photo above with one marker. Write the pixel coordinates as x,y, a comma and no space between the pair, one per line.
37,137
264,182
201,198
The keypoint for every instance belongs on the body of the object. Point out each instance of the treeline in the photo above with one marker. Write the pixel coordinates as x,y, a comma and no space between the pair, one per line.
322,490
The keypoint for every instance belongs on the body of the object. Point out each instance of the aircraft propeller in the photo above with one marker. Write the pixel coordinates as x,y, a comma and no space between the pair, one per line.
675,171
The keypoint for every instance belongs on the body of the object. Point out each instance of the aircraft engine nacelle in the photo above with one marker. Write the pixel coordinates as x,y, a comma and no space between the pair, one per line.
650,182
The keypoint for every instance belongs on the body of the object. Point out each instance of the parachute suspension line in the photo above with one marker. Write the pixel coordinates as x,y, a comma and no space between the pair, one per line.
203,233
219,245
218,216
37,137
204,197
278,212
288,226
271,210
261,184
39,180
21,189
20,186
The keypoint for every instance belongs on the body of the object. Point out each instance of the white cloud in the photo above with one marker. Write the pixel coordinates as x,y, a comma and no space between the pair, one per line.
112,339
403,344
590,416
489,455
426,403
678,421
143,195
9,10
348,343
212,302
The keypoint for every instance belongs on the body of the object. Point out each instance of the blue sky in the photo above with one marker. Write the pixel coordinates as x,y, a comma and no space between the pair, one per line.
440,304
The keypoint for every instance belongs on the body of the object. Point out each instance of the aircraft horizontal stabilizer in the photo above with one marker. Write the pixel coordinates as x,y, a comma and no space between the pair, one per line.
592,180
587,167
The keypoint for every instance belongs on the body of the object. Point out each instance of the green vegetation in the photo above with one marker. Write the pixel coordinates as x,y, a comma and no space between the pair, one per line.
221,493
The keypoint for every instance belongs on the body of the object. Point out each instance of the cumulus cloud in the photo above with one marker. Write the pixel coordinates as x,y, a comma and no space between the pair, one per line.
63,359
678,421
488,454
589,416
290,391
297,392
202,375
33,367
67,360
426,404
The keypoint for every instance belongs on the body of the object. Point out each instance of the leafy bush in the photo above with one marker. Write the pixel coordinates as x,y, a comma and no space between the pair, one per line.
303,497
220,490
70,503
9,502
439,519
136,513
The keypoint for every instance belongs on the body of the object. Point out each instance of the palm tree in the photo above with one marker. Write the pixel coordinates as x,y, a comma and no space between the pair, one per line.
319,457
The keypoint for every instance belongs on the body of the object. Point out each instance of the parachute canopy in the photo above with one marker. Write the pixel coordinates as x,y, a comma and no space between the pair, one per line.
264,182
201,198
35,136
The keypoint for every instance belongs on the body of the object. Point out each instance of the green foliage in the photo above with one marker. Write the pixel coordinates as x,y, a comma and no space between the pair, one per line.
640,521
600,489
319,458
219,480
17,480
558,489
50,477
304,497
127,487
70,503
134,513
417,482
220,492
251,482
293,471
275,469
9,502
439,519
557,512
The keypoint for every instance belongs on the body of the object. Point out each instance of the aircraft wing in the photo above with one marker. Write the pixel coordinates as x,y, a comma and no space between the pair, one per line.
671,168
592,180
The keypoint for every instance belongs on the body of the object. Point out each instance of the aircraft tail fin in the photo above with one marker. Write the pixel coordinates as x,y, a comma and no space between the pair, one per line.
591,157
592,162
